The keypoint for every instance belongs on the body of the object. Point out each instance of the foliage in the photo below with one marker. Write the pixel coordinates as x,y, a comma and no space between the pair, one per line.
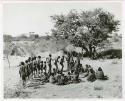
7,38
87,29
111,53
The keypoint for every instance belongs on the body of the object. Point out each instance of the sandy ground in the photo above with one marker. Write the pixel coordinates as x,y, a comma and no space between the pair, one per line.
111,88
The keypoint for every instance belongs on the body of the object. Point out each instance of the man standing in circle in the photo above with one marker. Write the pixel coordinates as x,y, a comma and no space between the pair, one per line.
49,63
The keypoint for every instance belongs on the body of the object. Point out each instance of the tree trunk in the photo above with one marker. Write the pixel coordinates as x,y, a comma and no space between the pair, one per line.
90,51
93,52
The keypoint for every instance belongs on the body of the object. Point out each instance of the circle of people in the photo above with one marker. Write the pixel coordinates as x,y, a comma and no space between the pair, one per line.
36,67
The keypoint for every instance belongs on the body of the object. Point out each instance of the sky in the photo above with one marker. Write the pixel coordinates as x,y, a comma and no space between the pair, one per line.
21,18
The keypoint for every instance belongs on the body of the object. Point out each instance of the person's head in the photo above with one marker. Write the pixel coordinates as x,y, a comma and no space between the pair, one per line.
50,55
99,69
22,63
29,59
68,73
26,61
87,66
39,57
72,71
34,58
91,70
58,57
44,62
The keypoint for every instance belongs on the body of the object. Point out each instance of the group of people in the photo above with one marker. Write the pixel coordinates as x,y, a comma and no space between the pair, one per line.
36,67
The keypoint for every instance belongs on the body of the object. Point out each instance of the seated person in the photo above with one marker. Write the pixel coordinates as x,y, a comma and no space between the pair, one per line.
86,71
45,77
62,80
76,77
58,78
100,74
52,78
69,76
91,76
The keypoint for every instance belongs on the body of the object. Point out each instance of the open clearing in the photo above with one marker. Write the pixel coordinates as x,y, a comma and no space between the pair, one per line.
111,88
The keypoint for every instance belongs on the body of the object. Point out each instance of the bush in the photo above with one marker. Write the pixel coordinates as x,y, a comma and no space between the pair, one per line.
74,53
110,54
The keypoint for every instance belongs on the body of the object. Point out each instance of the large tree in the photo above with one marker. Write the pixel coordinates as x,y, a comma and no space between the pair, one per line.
87,29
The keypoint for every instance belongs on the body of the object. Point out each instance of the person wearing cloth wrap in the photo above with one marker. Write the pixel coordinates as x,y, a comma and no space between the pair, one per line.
22,72
49,63
56,62
61,63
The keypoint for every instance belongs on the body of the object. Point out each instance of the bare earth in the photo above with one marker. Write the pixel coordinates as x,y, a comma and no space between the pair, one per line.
111,88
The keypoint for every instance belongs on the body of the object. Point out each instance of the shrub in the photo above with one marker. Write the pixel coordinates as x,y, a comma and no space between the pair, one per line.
110,54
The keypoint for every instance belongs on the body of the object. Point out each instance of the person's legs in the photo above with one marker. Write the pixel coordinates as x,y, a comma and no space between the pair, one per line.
62,67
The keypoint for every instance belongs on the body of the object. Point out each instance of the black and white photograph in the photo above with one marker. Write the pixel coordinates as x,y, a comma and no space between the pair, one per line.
62,50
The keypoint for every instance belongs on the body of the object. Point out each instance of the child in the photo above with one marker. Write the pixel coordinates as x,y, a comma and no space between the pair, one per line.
22,73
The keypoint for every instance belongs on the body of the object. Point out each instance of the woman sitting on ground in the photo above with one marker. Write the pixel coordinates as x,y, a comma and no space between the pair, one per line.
91,76
100,74
86,71
52,78
76,77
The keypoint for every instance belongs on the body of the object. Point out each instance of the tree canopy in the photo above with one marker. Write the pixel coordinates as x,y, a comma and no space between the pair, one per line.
85,29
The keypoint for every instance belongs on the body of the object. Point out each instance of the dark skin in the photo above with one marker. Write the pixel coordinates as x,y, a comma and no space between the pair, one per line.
61,62
56,61
49,63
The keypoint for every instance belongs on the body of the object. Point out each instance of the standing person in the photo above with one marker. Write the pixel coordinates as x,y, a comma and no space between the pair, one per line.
68,61
35,66
49,63
41,67
32,67
28,69
77,64
29,65
71,62
61,63
38,64
44,66
56,62
22,73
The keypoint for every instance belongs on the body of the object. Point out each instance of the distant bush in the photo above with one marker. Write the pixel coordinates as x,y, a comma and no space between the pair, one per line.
7,38
110,54
74,53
